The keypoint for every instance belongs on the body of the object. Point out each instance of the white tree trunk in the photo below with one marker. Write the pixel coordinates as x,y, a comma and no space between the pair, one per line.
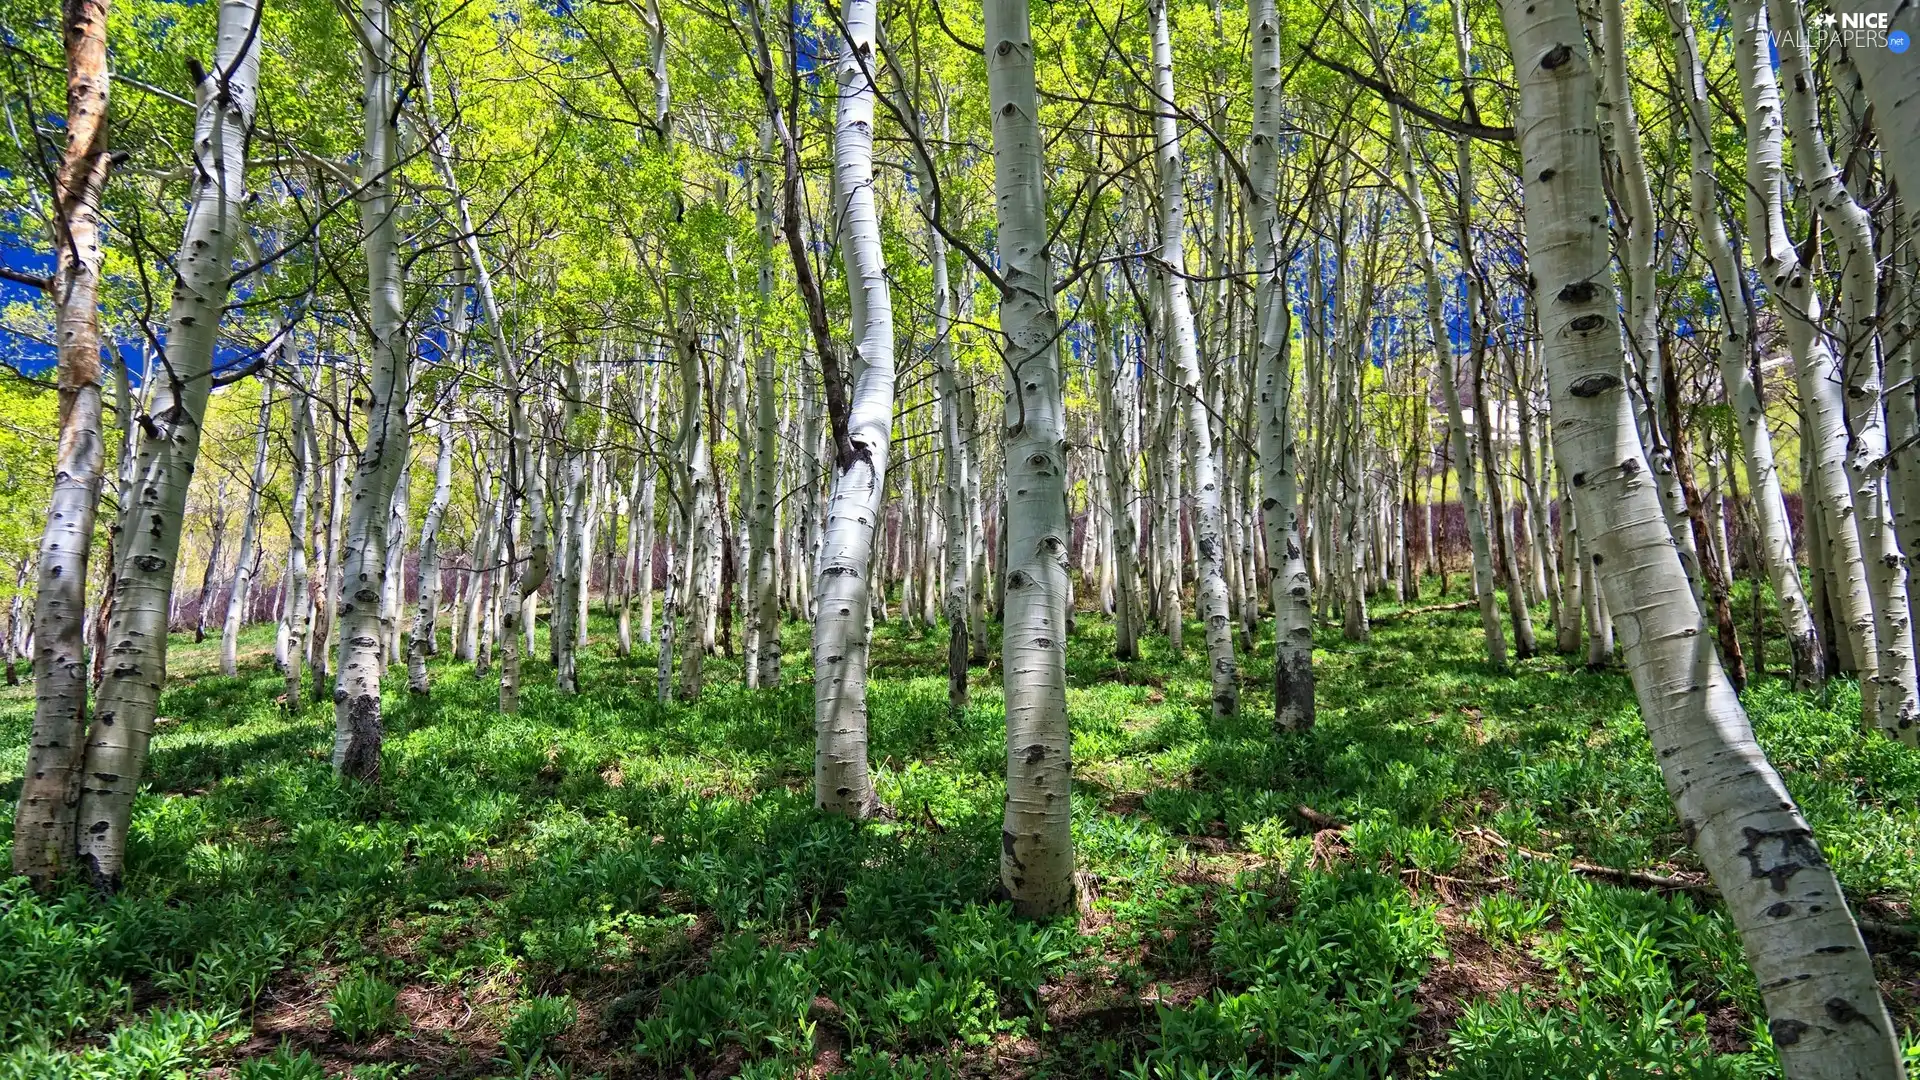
420,643
597,502
1824,1007
762,594
1639,260
43,833
955,458
649,489
842,783
1892,84
1208,536
1797,300
530,477
1896,691
569,535
393,579
299,615
242,588
489,499
136,667
1036,855
357,731
1116,390
1735,355
1287,580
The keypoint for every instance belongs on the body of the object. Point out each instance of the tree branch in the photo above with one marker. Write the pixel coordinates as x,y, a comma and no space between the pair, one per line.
1386,90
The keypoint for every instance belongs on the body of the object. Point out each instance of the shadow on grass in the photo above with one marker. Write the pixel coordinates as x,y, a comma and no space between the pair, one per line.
663,866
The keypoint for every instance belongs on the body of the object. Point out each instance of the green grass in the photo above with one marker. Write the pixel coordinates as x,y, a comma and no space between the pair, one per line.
604,886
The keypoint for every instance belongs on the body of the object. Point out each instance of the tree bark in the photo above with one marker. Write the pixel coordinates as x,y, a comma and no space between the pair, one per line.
1287,581
1797,300
1896,686
1211,595
842,586
137,667
1825,1012
1117,391
43,832
420,643
357,731
762,593
242,589
1736,354
299,588
1036,857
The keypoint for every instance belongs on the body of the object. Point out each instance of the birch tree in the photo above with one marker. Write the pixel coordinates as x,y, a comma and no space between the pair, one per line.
1825,1012
1896,690
842,597
49,788
1036,855
1208,538
420,642
299,592
1287,579
362,660
242,589
136,670
1735,354
763,599
1798,304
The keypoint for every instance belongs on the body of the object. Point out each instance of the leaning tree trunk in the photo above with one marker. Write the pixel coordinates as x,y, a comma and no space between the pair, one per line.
242,588
1287,579
1036,854
1797,301
137,669
1892,84
1896,689
299,595
363,561
217,525
1825,1012
1116,403
953,451
1208,536
842,783
43,832
762,589
420,643
1639,261
1736,352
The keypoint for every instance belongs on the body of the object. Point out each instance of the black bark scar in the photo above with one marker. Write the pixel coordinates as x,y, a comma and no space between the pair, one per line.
1778,854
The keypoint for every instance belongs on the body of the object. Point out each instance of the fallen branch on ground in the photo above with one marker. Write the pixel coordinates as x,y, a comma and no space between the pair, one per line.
1407,613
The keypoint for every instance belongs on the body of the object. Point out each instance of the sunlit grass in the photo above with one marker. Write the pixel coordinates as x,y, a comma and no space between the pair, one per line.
662,869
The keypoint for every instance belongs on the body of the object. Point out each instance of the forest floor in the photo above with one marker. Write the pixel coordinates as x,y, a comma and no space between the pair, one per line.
1459,872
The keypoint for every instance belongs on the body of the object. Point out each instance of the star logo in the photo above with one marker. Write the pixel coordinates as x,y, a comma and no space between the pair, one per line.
1825,18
